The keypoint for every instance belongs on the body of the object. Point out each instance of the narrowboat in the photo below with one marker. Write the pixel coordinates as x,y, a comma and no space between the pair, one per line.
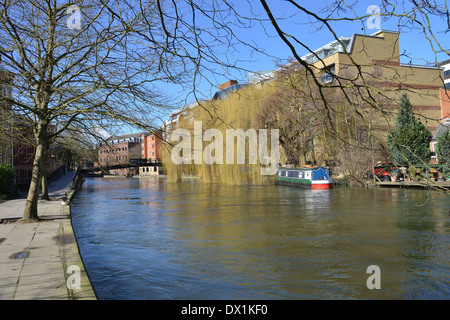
314,178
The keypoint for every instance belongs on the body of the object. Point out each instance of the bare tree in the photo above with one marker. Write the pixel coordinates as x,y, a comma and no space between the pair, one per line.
82,64
92,63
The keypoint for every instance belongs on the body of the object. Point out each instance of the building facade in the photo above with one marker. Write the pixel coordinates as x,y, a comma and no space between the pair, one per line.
446,68
445,103
151,144
226,88
18,149
118,153
120,150
378,57
6,141
445,91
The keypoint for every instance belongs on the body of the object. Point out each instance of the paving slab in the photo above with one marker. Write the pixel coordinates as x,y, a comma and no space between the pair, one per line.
36,257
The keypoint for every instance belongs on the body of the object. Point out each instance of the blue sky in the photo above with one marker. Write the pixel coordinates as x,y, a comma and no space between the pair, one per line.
413,43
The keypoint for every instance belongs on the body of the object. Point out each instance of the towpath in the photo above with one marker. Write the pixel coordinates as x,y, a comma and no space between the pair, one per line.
40,260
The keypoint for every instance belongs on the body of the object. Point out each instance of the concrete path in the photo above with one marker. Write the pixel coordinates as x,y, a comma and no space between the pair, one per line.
41,260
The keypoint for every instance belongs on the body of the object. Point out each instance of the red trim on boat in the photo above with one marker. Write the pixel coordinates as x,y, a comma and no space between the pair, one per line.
322,186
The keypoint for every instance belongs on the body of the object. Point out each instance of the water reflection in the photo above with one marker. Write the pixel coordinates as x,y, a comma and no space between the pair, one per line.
148,239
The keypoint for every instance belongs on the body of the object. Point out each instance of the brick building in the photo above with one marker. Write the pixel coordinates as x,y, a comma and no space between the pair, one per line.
18,149
445,103
226,88
151,144
446,68
378,56
120,150
5,125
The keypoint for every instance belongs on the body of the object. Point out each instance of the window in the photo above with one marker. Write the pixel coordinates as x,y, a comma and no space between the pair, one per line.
433,150
446,74
327,74
447,85
308,175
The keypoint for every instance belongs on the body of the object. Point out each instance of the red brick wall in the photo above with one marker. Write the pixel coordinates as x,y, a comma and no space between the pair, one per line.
227,84
115,153
151,145
445,103
144,144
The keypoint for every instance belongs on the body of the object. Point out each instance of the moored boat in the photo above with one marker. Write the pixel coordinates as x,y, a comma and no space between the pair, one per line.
314,178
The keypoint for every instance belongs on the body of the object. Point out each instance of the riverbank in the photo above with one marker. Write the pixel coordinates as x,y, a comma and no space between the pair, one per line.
35,256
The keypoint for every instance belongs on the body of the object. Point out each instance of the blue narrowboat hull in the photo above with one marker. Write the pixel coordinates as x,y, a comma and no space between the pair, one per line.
313,178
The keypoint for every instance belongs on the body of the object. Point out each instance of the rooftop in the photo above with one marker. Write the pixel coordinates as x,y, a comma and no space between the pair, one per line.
345,44
443,127
442,63
223,93
132,137
328,50
258,76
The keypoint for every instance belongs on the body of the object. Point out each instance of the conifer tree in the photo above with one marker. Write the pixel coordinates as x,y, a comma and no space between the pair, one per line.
410,141
443,148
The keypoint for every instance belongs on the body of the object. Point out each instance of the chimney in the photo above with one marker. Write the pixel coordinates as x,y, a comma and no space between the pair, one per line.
227,84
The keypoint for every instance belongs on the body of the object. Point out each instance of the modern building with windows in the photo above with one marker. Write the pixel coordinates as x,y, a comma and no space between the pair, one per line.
378,59
446,68
445,91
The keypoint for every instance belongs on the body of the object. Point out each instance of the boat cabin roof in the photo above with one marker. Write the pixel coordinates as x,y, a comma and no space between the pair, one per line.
303,169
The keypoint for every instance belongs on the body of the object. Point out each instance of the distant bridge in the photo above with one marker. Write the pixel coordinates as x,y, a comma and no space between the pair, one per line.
131,164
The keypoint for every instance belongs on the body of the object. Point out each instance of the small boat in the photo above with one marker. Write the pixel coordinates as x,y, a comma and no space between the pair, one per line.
314,178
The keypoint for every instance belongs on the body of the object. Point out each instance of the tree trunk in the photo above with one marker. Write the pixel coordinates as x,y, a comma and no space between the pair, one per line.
44,178
31,207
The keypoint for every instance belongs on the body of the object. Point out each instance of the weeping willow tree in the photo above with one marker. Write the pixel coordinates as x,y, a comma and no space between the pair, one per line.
237,155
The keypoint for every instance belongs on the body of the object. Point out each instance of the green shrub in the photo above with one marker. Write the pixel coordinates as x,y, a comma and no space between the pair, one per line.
443,148
7,182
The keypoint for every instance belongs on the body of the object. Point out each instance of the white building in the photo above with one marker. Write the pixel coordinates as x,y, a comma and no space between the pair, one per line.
446,66
443,127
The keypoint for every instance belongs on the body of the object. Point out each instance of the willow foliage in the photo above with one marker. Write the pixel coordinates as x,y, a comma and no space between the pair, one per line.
238,110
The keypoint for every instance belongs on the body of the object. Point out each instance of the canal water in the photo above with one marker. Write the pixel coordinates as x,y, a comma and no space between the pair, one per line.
150,239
